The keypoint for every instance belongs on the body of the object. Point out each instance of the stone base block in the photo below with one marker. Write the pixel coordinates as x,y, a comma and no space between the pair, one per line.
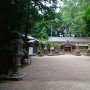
77,53
13,76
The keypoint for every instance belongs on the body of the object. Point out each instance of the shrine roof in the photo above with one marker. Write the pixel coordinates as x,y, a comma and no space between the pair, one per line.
70,39
31,39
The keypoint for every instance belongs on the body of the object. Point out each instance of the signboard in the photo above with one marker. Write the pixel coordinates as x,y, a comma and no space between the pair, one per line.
30,50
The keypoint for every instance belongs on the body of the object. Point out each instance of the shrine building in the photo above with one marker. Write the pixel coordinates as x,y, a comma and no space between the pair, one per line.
69,44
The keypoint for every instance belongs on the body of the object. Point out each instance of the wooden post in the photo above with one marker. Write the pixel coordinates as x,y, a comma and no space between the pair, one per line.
71,49
83,47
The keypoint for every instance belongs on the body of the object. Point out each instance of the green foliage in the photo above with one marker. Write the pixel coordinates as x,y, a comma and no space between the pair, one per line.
86,17
50,44
40,29
25,53
43,26
22,16
72,16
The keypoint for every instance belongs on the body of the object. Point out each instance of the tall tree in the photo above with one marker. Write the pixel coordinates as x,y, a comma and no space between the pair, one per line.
86,18
72,13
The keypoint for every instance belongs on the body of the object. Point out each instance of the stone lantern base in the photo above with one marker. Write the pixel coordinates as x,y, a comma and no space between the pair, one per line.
16,74
13,76
77,53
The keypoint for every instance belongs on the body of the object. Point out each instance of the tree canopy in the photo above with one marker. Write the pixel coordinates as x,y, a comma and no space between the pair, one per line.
38,16
22,15
72,15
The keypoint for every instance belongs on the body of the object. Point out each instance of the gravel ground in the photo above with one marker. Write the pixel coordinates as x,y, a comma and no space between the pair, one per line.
64,72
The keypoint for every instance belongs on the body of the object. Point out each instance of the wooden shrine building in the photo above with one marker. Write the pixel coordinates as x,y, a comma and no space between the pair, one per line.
69,44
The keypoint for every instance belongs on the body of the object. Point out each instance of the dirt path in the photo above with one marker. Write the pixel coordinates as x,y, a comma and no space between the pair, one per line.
64,72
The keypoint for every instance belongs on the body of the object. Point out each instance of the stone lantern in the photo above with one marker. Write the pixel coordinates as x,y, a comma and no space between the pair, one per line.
77,52
88,50
17,54
16,43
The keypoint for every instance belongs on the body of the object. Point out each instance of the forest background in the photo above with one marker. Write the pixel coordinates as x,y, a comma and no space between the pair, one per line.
36,18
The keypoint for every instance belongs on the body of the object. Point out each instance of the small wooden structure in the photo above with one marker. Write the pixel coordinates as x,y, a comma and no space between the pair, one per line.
33,45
